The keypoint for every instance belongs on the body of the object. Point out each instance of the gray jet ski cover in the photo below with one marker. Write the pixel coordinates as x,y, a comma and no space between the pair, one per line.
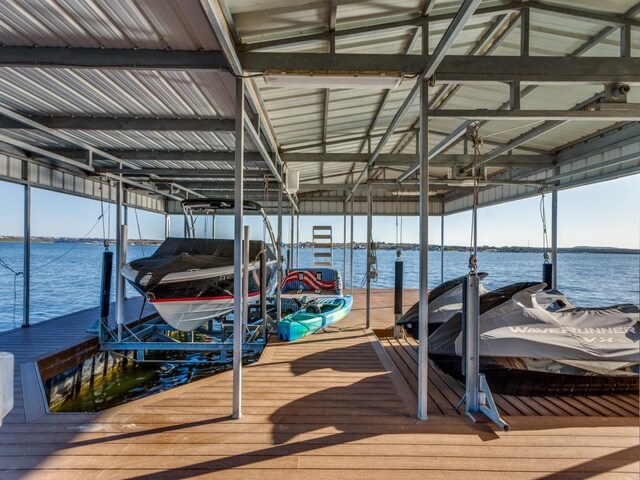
543,324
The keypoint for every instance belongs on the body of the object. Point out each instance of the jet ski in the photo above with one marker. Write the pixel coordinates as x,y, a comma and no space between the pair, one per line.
533,341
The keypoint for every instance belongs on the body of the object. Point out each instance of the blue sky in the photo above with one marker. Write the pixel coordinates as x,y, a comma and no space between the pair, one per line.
605,214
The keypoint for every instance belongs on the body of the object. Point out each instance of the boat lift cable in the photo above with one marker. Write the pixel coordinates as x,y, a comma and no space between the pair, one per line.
477,142
105,231
543,217
135,211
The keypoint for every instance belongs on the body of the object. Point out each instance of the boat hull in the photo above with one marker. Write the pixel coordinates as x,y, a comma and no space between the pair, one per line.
187,314
191,281
302,323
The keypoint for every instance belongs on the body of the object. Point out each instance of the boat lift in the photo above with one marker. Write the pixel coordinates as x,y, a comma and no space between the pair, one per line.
152,334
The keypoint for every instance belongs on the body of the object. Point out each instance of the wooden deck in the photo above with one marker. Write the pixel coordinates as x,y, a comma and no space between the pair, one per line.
332,406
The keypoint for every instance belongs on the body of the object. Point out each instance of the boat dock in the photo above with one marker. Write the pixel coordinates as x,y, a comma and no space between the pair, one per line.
339,112
338,404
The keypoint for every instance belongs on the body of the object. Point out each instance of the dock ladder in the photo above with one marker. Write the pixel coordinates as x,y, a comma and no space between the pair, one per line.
322,245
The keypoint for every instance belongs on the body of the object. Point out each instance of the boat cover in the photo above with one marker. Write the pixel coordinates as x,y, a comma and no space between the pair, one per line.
536,323
445,301
184,254
322,280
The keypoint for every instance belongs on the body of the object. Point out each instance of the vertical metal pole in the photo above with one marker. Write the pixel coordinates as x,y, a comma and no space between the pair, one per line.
290,260
298,240
344,242
472,341
213,226
279,253
369,234
237,252
167,225
263,291
245,279
554,238
26,268
121,239
442,246
351,249
423,313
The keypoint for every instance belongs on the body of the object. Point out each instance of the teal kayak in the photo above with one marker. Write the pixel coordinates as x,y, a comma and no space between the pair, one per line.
321,313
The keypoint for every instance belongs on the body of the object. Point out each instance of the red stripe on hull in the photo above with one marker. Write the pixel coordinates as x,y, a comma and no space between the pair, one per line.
195,299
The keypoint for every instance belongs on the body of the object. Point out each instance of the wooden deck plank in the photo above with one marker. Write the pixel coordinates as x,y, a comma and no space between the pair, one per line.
325,407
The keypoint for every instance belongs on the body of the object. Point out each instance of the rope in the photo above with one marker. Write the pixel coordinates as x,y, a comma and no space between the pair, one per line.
16,274
105,240
75,245
545,238
135,211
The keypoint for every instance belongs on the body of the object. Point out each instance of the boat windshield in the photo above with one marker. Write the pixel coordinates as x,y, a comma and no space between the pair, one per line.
211,206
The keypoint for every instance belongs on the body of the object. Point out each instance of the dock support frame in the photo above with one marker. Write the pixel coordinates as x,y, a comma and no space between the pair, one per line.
237,252
26,267
351,249
369,250
442,246
423,269
121,257
477,397
344,242
279,255
554,238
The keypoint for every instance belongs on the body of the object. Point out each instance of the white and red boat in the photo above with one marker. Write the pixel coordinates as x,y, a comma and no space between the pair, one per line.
189,281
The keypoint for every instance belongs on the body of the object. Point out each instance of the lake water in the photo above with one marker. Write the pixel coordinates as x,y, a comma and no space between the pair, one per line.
66,277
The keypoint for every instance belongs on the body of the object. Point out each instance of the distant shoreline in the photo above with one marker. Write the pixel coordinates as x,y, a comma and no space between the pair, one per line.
356,246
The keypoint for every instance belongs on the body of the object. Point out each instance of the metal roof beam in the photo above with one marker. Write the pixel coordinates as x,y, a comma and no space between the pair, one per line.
540,115
383,24
442,160
604,33
111,58
124,123
448,38
182,172
165,155
453,68
602,16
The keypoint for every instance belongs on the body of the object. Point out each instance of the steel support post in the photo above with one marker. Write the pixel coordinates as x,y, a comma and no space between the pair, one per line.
237,252
279,254
263,292
167,225
26,268
554,238
245,280
121,239
442,246
423,268
344,242
472,341
351,249
298,240
369,250
291,234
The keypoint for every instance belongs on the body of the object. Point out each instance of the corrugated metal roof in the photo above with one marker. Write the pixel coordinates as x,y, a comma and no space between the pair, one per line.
298,115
